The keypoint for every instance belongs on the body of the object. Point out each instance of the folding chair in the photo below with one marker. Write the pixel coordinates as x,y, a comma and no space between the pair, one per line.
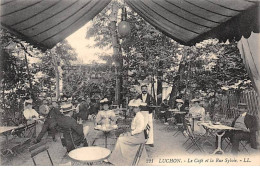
22,137
243,143
39,148
194,140
141,146
63,141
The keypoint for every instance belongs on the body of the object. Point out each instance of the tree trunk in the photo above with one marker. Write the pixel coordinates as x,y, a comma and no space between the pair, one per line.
159,83
57,77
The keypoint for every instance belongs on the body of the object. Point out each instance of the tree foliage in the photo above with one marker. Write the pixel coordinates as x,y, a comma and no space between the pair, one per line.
27,72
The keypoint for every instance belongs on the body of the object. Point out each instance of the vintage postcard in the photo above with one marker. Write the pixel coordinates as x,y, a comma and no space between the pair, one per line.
129,83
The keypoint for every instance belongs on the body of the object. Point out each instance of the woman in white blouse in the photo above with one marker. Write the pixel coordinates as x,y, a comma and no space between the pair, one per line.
198,115
29,113
128,143
105,116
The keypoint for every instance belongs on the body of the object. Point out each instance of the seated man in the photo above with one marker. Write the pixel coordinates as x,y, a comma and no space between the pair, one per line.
44,108
66,123
50,122
164,107
248,127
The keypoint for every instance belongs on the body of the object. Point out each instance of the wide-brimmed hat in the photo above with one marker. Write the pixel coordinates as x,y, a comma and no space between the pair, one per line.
136,103
28,101
65,108
179,101
195,100
105,101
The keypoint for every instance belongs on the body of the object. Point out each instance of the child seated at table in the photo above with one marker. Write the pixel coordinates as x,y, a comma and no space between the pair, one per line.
105,116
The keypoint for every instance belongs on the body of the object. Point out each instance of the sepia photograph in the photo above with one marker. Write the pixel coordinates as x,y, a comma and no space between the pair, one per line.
130,83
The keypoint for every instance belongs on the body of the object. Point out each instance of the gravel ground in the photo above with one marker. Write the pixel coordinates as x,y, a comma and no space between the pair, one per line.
166,146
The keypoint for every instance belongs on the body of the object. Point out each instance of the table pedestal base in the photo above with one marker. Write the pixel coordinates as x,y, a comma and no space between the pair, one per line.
219,149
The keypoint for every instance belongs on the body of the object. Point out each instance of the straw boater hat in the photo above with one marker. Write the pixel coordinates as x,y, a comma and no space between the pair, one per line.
136,103
65,108
105,101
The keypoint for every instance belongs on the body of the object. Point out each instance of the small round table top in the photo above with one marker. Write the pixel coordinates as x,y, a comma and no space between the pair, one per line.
106,129
89,154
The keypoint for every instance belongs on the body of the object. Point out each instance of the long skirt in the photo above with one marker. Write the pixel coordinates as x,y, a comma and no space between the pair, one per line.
150,122
198,128
125,150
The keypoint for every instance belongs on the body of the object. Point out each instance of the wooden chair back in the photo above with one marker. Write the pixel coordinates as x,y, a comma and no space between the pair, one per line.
39,148
142,146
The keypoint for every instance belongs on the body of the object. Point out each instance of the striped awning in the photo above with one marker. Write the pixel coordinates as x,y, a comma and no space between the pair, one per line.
191,21
44,23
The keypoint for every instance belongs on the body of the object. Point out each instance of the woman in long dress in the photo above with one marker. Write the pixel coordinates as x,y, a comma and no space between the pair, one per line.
198,115
105,116
128,143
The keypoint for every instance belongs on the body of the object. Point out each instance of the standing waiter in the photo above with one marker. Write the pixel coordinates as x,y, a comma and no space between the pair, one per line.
147,98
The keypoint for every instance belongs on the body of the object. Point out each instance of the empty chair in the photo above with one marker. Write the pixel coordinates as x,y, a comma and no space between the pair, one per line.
39,148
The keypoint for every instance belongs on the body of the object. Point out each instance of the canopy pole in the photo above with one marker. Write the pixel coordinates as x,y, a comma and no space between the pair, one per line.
117,54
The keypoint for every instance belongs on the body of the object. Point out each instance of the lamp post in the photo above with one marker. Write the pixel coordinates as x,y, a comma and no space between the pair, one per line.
123,29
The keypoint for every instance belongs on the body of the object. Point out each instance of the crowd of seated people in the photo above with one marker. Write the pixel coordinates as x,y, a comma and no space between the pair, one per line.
70,119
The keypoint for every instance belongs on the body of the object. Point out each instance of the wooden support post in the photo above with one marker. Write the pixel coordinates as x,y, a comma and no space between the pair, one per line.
117,54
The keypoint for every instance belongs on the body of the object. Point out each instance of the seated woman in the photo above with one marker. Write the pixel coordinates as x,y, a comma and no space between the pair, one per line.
105,116
29,113
128,143
198,114
180,107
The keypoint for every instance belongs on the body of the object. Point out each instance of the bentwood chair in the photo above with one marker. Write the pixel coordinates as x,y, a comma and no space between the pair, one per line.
69,131
141,146
39,148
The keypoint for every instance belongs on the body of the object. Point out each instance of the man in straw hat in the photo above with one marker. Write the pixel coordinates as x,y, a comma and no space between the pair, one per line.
78,132
50,122
149,100
128,143
247,125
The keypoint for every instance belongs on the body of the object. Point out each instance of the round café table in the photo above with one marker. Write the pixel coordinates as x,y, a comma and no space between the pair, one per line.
89,154
106,132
